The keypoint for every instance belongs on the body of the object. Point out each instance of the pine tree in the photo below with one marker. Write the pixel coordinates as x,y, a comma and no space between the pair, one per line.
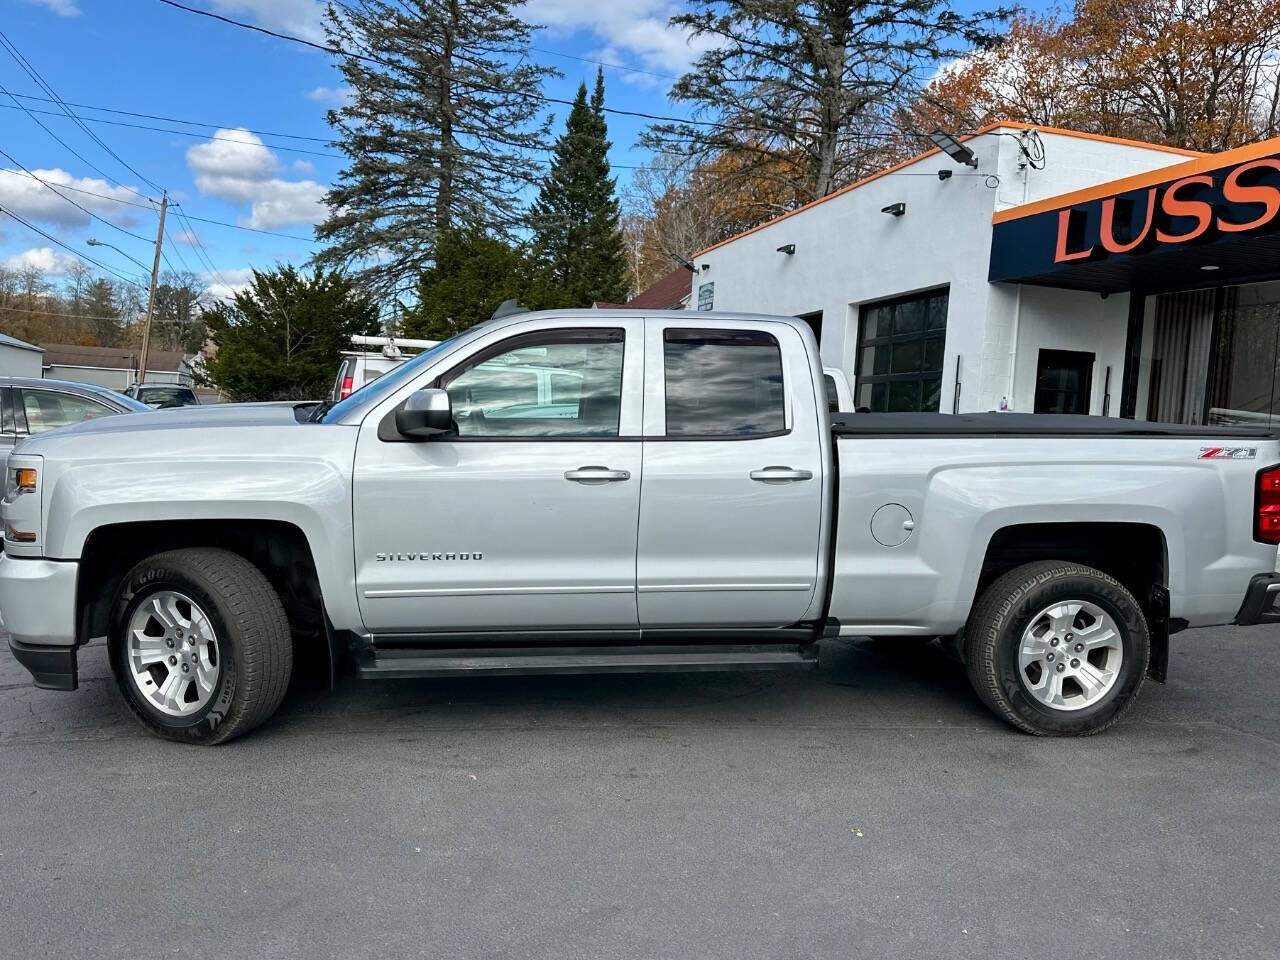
438,132
811,86
577,240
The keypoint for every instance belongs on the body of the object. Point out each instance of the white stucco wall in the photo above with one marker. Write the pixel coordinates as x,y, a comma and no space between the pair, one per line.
19,362
849,253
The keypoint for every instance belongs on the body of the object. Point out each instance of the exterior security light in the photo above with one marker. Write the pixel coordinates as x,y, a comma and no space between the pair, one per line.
944,174
894,209
953,148
788,248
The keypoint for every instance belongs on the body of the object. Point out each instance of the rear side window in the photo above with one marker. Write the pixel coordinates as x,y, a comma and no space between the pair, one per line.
6,412
723,384
833,395
50,409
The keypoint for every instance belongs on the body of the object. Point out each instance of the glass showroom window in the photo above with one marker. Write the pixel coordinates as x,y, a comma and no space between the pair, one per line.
900,352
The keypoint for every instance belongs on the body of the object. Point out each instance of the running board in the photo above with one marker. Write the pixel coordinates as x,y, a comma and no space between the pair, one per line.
524,661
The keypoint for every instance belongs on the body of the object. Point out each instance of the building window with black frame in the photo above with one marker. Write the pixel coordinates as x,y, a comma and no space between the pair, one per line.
900,344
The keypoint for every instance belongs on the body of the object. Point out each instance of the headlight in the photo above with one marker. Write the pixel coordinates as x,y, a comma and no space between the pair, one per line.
20,480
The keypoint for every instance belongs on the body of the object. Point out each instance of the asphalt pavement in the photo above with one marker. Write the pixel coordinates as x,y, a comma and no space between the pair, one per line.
871,809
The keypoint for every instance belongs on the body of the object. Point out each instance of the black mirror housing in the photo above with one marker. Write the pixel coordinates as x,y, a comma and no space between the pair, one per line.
427,413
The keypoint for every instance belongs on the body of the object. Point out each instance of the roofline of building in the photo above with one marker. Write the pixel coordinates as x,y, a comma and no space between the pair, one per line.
1200,163
981,131
20,344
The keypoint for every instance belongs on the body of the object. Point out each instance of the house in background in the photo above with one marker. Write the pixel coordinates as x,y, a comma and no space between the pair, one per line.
113,367
19,358
668,293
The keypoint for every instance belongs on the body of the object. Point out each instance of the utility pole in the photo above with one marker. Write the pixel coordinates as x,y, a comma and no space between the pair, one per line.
151,298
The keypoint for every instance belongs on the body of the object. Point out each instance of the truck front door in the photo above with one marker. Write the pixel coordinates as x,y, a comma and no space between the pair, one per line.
731,515
523,519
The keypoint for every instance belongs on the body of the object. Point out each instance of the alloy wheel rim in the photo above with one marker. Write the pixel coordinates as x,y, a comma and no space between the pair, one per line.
174,658
1070,655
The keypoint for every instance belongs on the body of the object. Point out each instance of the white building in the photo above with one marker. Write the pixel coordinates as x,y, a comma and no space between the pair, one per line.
19,358
113,367
1067,272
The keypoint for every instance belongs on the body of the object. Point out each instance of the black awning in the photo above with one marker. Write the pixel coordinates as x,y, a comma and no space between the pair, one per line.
1192,225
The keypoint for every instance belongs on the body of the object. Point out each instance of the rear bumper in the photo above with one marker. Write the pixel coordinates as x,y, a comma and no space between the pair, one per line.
1261,601
38,610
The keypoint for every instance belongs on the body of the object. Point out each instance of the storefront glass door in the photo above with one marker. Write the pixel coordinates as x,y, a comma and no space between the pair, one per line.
1214,356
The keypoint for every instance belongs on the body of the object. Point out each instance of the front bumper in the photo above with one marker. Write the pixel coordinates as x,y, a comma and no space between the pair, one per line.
38,611
1261,601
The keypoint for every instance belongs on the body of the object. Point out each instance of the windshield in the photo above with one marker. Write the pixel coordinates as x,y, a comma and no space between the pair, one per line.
374,390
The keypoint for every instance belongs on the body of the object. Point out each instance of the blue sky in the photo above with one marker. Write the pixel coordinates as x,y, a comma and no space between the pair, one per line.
144,57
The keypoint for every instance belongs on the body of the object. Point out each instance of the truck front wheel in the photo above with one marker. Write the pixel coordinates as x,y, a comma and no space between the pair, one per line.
1057,649
200,645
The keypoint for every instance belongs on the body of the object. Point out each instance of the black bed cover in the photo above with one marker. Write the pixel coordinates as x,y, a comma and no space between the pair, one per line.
1028,425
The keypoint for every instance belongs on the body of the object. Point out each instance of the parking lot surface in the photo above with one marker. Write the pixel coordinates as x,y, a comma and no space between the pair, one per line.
871,809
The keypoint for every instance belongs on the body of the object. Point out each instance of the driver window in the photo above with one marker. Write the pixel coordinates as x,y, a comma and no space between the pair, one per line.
553,383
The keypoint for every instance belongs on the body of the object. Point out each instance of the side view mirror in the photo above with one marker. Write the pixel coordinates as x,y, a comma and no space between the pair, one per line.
425,414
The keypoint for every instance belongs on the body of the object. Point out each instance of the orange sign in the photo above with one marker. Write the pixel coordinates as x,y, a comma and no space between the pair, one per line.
1197,205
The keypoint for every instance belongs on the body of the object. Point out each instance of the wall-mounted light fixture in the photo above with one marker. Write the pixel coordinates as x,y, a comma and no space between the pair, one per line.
944,174
894,209
953,148
788,248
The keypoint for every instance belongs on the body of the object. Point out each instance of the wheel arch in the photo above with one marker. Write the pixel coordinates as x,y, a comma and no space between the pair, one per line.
278,548
1134,553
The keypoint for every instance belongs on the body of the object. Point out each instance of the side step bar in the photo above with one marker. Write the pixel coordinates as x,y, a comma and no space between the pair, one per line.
523,661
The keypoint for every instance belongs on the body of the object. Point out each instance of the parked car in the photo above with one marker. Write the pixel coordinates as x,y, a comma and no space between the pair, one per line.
29,406
684,500
379,355
162,396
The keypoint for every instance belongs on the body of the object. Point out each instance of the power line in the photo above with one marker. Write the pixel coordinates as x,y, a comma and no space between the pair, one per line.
4,308
71,250
204,136
80,207
193,123
34,74
338,51
182,133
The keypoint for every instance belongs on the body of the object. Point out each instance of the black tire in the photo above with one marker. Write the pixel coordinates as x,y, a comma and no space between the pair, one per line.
994,633
249,621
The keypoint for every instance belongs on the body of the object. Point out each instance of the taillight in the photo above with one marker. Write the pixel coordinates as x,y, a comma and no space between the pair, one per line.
347,383
1266,523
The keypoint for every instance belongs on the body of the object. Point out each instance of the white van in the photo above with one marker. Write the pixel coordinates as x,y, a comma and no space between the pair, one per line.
370,358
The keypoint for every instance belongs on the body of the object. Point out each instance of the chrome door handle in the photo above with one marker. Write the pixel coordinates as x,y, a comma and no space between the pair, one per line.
780,474
596,475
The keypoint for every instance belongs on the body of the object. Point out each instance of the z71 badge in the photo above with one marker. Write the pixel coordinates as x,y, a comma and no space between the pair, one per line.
1228,453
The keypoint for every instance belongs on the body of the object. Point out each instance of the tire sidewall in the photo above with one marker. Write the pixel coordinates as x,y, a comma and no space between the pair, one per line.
1134,641
141,583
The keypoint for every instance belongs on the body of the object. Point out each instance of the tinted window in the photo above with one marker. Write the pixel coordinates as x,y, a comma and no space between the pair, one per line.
554,383
723,383
6,412
47,409
900,353
833,395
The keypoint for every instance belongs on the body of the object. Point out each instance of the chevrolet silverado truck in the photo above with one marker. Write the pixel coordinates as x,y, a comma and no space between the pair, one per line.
602,491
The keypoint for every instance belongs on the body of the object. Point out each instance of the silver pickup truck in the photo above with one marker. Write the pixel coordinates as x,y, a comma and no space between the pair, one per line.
578,492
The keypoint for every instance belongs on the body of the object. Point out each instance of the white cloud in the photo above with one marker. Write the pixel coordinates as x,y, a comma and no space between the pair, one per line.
63,8
184,238
339,96
304,166
238,168
225,284
629,29
299,17
285,203
28,197
45,259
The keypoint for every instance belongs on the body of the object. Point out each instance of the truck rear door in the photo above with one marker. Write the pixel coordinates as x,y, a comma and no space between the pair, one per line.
731,506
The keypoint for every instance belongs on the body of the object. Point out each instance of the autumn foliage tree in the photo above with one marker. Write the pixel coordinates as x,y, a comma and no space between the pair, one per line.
1196,74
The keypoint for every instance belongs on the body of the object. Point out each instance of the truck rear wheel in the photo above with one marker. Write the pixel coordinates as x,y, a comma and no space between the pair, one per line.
200,645
1057,648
